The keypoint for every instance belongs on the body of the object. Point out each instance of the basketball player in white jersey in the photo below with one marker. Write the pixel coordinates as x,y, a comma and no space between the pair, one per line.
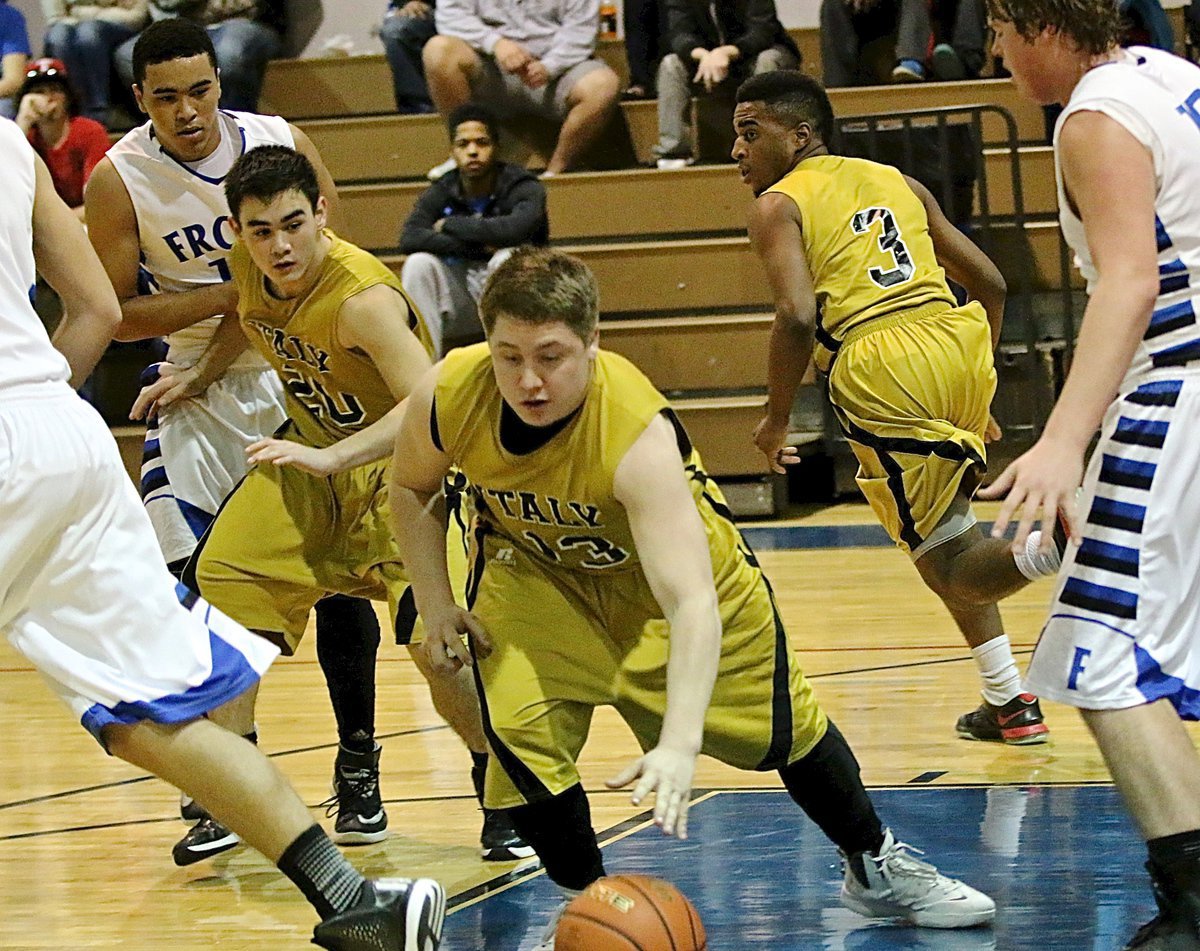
1123,639
86,597
158,218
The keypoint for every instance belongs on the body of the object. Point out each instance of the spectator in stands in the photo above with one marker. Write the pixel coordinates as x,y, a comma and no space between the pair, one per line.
14,54
83,36
247,34
642,46
959,32
539,63
1146,24
713,47
849,26
69,144
464,225
407,27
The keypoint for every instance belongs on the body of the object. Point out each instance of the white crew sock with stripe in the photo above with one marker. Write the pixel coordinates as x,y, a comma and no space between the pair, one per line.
997,670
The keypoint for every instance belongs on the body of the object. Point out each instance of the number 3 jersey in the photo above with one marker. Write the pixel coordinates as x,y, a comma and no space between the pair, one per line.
557,502
330,390
866,240
1156,97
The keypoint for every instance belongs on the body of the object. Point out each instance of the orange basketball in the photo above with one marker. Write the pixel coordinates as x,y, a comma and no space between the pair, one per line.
630,913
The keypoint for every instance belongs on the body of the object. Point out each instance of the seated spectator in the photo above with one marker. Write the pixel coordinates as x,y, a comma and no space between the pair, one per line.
642,39
14,54
69,144
959,32
848,26
407,27
83,36
539,63
464,225
247,34
713,47
1146,24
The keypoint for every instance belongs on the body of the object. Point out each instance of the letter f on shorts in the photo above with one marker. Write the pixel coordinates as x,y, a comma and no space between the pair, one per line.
1077,667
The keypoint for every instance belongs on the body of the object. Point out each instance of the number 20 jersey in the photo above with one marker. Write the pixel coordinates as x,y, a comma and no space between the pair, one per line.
866,240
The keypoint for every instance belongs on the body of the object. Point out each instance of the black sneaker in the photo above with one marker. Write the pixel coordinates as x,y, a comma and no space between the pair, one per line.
1175,927
361,818
391,914
203,840
499,841
1018,723
190,810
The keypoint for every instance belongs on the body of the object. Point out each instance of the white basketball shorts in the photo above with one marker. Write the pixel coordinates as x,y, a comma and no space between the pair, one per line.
196,453
84,592
1124,627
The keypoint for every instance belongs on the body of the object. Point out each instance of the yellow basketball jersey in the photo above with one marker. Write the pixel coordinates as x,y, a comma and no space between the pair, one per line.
557,502
866,239
331,391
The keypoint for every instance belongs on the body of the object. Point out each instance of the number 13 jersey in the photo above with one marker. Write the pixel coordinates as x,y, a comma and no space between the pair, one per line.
866,239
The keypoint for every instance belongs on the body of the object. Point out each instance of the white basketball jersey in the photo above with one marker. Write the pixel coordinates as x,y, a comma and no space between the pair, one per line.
1156,97
26,355
183,218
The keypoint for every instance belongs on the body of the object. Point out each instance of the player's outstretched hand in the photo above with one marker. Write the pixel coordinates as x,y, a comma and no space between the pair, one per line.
284,452
1036,487
770,437
174,383
667,773
444,645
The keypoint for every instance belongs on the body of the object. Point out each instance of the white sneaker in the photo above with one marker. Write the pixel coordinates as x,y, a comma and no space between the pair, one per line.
547,942
441,169
900,886
671,164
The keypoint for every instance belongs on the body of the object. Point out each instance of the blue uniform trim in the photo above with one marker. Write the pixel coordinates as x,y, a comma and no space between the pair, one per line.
1155,685
1119,515
1172,276
1143,432
1172,317
1115,558
1127,472
231,676
154,479
1161,238
1158,393
1177,356
197,519
1099,598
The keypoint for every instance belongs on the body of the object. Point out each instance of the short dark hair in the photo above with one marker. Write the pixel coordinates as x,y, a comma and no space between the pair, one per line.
792,97
473,112
165,40
542,286
268,171
1094,25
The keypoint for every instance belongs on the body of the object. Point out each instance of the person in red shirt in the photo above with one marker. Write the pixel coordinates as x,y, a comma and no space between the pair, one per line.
69,144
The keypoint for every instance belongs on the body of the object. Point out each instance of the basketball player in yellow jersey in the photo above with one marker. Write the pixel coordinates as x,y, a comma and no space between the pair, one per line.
311,518
857,257
600,550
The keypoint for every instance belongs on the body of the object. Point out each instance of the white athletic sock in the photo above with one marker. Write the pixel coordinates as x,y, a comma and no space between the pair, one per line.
1034,563
997,670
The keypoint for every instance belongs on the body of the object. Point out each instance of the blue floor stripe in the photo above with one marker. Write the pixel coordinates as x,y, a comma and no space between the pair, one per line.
788,537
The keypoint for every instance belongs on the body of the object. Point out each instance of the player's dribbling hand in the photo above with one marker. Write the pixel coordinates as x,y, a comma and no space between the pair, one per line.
1036,487
769,437
667,773
284,452
174,383
444,646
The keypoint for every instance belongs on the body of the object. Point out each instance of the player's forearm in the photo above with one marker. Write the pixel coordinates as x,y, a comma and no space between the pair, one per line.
789,353
156,315
83,340
1107,341
374,442
691,671
419,524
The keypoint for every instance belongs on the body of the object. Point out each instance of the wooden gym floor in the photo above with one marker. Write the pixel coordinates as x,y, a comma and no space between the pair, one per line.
85,839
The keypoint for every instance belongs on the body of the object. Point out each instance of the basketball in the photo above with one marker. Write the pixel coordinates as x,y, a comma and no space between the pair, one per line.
630,913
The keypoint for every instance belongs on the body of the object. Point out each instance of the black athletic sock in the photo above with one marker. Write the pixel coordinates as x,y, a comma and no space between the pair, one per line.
321,872
479,763
826,784
560,831
347,642
1178,858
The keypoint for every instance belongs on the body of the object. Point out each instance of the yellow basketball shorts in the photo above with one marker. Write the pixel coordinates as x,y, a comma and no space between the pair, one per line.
912,393
566,643
285,538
